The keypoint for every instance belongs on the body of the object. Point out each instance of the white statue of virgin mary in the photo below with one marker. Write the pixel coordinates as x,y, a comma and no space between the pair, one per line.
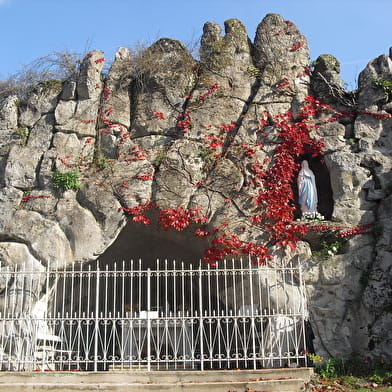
307,191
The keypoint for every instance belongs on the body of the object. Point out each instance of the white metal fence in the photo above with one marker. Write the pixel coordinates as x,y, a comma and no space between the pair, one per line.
175,316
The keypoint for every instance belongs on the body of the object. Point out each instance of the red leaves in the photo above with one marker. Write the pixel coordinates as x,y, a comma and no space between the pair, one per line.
231,245
109,111
100,60
64,161
106,92
184,121
228,128
27,198
179,218
144,177
202,233
138,211
87,121
142,219
140,208
137,154
341,231
381,116
158,115
284,84
210,91
276,194
213,142
296,46
362,229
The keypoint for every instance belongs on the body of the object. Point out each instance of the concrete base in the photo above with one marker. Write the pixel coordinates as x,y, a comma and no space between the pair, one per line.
282,380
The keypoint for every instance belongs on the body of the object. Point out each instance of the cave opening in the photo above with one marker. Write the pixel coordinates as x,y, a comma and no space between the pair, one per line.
150,242
141,247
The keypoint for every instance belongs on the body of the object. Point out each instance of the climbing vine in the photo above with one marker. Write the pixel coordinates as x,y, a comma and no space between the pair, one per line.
271,179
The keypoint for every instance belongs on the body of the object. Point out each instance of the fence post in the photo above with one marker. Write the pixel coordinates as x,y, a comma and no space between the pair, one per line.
201,319
303,310
148,319
252,310
96,322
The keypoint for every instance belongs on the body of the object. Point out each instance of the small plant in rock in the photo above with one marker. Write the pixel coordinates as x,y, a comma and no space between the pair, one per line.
253,71
101,162
315,358
160,157
23,133
66,180
386,85
327,249
331,368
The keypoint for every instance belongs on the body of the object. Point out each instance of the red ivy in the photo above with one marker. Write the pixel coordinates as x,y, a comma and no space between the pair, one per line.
159,115
296,46
27,198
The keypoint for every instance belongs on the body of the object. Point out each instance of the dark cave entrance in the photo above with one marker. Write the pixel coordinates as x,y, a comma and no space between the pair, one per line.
150,242
142,247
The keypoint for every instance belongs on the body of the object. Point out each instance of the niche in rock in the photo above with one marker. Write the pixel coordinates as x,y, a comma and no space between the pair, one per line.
323,184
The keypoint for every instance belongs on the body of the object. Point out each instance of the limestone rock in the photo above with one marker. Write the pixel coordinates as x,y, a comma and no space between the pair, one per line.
281,53
23,161
180,168
80,227
90,76
65,111
46,241
117,105
20,171
81,115
9,112
10,199
69,90
165,78
379,69
14,254
333,135
42,100
105,208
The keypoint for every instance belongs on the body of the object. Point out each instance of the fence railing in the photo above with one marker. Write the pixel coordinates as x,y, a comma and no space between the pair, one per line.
175,316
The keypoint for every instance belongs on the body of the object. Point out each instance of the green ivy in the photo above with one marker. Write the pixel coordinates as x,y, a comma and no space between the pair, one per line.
385,84
23,132
66,180
101,162
327,250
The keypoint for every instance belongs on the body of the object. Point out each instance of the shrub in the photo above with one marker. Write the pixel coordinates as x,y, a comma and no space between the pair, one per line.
66,180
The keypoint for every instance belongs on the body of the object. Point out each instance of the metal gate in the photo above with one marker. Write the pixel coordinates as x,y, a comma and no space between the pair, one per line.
174,316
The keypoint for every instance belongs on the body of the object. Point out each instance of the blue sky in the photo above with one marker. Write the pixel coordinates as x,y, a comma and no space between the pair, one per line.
355,31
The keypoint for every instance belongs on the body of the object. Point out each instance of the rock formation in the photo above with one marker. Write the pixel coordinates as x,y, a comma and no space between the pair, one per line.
81,160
